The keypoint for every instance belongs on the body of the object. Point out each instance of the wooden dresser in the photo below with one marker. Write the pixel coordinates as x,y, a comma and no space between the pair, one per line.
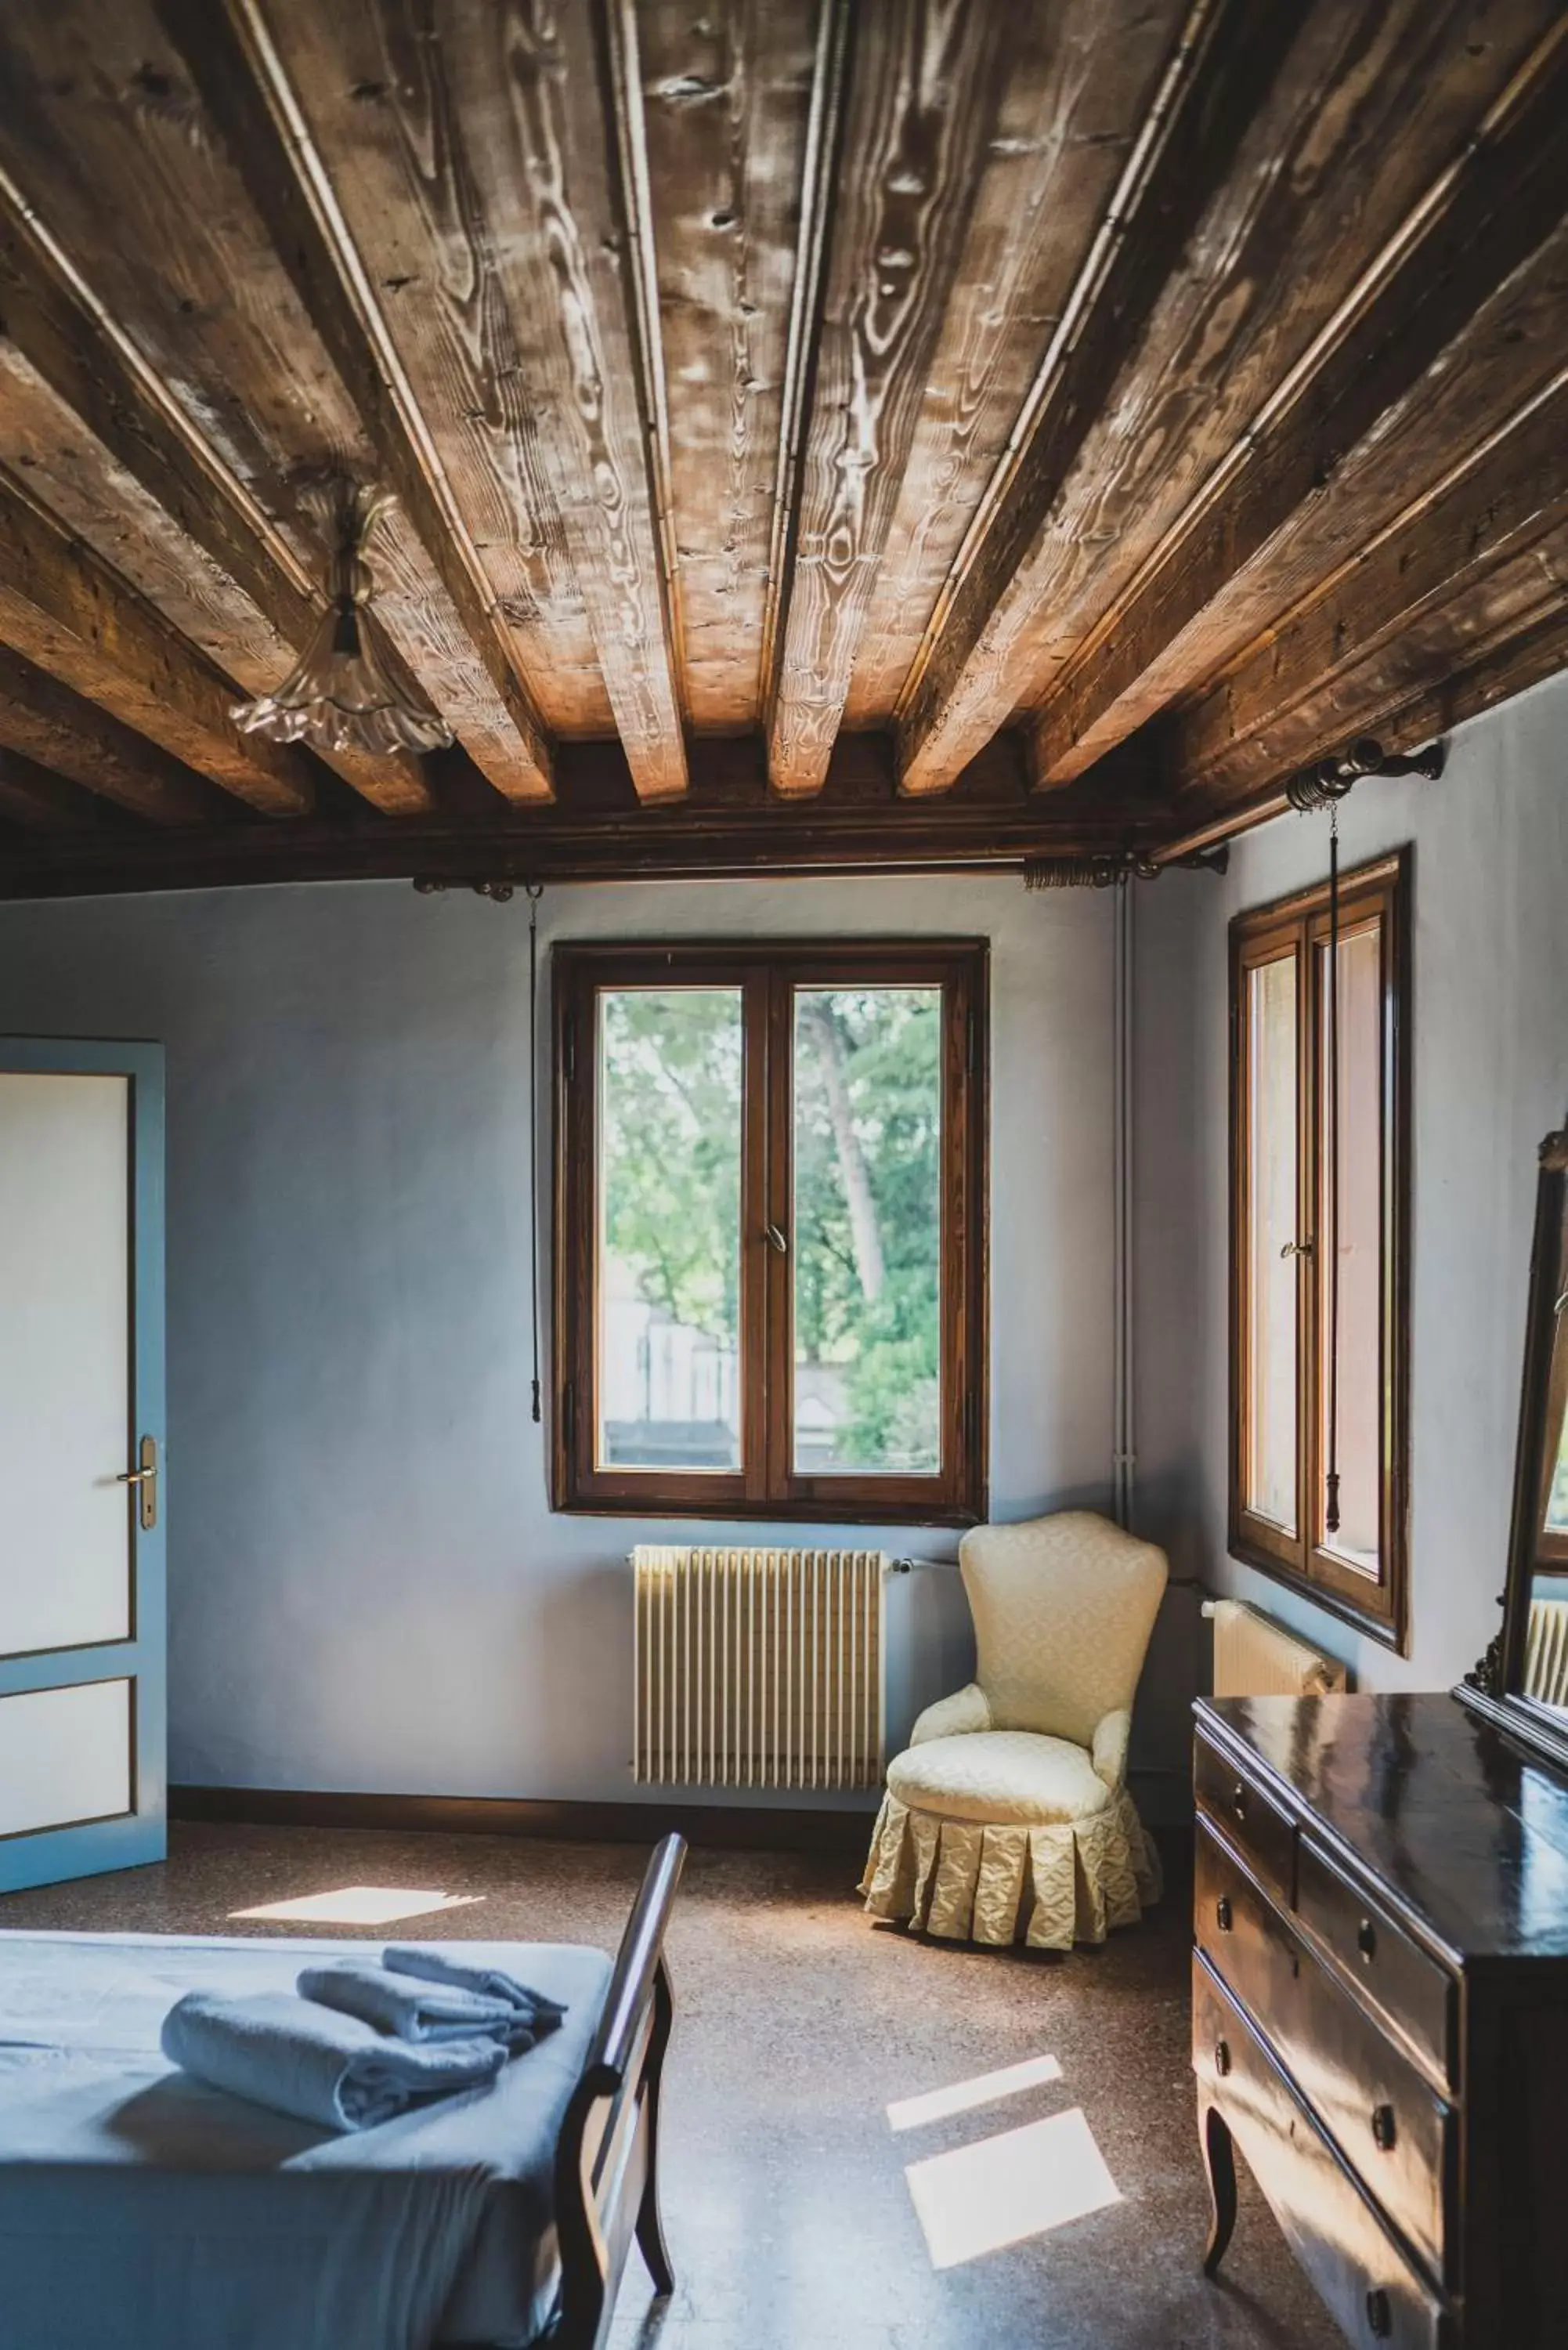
1380,2009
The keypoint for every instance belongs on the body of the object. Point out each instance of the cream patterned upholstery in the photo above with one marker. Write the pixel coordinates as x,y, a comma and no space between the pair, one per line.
1008,1813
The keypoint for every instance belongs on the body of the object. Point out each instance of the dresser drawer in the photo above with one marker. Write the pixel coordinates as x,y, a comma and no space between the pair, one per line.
1375,2293
1392,1972
1261,1833
1366,2092
1240,1931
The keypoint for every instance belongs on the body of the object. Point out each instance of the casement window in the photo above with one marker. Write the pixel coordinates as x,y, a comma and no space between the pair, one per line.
770,1218
1318,1250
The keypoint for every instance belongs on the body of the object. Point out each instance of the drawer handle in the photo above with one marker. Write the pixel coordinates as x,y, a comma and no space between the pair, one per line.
1222,1913
1366,1940
1385,2130
1238,1800
1379,2314
1222,2057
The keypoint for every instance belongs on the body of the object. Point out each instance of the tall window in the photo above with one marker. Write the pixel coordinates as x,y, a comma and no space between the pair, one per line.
1320,1183
770,1210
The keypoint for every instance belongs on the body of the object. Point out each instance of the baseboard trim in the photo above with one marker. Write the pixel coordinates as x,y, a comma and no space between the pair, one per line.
718,1826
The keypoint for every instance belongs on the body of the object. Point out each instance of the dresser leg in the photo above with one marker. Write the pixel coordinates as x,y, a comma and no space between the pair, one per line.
1219,2169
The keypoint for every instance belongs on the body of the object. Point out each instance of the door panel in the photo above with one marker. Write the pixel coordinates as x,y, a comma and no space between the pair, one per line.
65,1756
64,1363
82,1636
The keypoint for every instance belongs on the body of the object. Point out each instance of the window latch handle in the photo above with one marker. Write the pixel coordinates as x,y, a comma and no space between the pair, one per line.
776,1239
1296,1248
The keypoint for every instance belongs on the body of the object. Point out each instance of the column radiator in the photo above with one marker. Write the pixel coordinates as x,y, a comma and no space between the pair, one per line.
759,1667
1255,1656
1546,1652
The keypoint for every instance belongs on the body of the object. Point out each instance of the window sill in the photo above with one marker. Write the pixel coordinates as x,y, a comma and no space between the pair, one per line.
775,1513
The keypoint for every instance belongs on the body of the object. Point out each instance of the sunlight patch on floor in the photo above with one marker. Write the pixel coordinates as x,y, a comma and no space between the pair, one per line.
1021,2183
362,1905
963,2097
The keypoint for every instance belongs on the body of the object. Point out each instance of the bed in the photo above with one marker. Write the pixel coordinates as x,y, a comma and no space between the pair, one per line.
141,2211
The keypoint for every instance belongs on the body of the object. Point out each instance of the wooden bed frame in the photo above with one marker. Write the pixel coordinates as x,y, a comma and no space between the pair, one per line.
607,2165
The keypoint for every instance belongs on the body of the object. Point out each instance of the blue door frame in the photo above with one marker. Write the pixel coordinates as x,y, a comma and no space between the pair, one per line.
49,1855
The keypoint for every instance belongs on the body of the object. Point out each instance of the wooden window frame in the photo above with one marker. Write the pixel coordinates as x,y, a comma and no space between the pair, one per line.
768,1487
1299,925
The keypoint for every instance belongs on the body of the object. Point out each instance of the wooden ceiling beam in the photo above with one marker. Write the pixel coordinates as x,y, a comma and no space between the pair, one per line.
965,680
925,82
729,823
183,536
66,610
243,82
38,801
1299,141
59,731
1477,568
1081,75
731,107
104,127
550,102
1384,347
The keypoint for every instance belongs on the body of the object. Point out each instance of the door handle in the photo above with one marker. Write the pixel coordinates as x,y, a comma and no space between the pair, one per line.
145,1480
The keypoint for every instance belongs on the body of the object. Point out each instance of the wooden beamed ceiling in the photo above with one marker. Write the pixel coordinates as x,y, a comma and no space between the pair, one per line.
824,432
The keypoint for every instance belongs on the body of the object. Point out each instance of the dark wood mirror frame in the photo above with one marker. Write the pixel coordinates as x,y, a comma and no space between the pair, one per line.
1496,1687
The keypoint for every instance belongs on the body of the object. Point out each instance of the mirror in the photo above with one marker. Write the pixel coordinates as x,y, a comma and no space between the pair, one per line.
1523,1680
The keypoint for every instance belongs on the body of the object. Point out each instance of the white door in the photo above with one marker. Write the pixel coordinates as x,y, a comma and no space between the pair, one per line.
82,1641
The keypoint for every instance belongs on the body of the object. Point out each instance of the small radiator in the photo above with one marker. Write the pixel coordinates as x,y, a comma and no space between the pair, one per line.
759,1667
1255,1656
1546,1652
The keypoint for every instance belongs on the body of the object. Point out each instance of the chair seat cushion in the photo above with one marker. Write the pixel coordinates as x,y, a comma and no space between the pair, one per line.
1013,1776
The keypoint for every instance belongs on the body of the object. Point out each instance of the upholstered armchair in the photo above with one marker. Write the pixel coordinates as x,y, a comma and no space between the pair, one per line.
1008,1814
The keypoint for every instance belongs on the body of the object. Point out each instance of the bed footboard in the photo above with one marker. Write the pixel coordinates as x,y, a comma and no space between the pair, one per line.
607,2166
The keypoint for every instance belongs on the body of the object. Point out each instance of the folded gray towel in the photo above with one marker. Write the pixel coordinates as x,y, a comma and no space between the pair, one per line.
319,2065
422,2012
486,1982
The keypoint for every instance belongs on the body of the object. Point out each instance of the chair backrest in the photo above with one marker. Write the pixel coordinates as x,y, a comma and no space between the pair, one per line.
1062,1609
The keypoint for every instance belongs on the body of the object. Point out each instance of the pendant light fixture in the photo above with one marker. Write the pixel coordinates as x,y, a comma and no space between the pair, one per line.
340,695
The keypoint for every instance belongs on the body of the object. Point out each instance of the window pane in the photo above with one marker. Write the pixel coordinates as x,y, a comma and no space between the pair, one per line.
1557,1521
1271,1479
671,1069
867,1231
1358,1124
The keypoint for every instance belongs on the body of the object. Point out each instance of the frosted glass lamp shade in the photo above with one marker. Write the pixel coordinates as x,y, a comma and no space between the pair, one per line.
338,697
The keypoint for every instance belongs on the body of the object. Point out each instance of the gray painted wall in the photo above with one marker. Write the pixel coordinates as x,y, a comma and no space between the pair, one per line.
1490,1024
369,1591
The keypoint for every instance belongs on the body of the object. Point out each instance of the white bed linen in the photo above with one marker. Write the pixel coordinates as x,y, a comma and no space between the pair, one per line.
141,2211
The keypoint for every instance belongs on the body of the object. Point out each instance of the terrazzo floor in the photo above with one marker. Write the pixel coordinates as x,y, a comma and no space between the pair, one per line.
791,2220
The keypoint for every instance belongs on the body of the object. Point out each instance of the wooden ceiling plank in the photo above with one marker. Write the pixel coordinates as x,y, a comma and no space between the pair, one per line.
1484,384
1302,139
56,729
550,102
727,107
963,683
144,200
926,81
1480,219
66,469
1081,76
240,73
39,801
1478,561
69,613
